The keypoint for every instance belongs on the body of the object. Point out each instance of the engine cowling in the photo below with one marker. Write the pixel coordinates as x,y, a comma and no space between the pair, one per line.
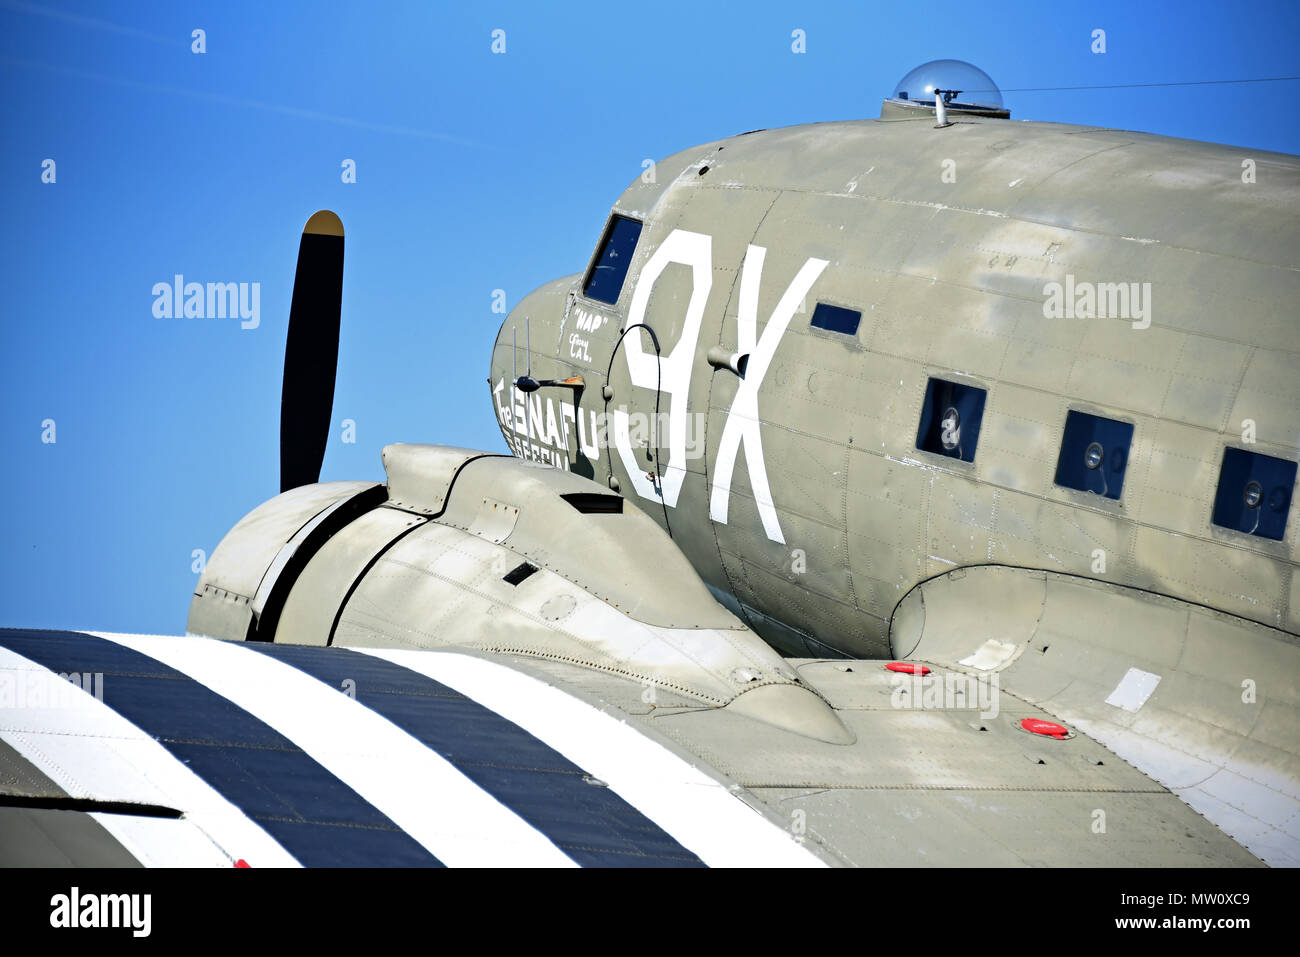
463,549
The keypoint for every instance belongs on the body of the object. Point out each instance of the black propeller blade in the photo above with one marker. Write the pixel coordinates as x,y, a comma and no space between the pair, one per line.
311,351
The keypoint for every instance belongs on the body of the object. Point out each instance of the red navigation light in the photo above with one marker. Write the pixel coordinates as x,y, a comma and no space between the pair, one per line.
1048,728
907,668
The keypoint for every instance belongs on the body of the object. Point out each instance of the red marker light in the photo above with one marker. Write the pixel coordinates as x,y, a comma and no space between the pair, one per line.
907,668
241,863
1048,728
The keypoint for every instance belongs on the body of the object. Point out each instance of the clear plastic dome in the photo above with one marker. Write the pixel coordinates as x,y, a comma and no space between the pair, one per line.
976,87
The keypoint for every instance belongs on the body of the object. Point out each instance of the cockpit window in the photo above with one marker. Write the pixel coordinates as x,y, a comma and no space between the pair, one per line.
605,281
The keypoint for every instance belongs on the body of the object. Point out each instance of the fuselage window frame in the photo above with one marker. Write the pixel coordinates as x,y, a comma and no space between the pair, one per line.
1094,454
950,420
1254,492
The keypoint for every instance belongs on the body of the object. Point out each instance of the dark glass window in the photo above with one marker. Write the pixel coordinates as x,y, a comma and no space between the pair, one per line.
836,319
605,281
1254,493
1094,454
950,419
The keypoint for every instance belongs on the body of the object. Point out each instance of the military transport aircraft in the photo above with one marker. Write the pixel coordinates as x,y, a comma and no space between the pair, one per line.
895,492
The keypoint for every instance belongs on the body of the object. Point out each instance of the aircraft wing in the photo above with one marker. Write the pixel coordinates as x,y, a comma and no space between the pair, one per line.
167,751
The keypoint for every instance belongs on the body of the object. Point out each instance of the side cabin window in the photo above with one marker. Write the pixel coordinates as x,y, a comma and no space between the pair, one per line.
1094,454
1254,493
605,278
950,419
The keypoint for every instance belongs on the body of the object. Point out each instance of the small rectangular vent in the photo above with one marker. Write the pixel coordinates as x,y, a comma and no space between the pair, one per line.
519,573
594,503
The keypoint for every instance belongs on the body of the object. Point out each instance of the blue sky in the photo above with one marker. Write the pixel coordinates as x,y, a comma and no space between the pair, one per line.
475,172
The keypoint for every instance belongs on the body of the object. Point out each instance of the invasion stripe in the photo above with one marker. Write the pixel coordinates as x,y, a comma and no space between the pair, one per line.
588,821
415,787
313,815
697,810
98,758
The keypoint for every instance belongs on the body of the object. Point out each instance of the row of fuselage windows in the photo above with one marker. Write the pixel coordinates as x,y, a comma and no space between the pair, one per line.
1254,493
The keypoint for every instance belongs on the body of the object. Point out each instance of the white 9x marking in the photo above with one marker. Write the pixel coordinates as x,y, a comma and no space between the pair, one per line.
673,373
742,418
689,249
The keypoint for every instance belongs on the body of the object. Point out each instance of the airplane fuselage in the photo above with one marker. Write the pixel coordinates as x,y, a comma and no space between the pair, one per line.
1011,344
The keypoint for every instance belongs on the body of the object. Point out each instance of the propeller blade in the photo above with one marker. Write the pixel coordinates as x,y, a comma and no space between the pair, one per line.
311,351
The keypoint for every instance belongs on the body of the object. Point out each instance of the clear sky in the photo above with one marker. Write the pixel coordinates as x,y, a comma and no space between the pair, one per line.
475,171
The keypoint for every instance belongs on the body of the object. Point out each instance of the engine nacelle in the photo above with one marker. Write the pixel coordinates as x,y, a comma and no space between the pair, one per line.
475,551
